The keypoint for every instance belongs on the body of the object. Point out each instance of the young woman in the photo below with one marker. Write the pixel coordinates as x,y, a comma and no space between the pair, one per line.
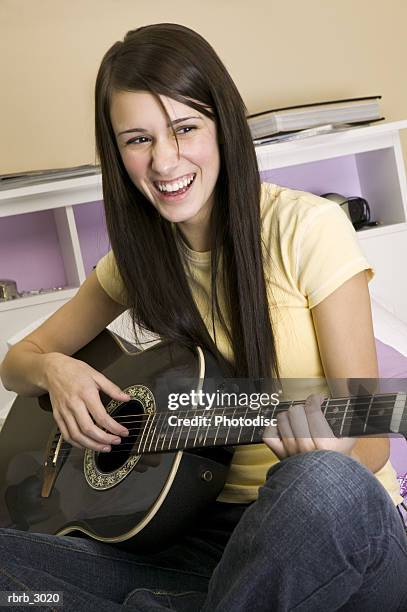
272,281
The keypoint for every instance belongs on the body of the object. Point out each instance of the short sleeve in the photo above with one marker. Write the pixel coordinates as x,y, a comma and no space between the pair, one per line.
327,253
109,277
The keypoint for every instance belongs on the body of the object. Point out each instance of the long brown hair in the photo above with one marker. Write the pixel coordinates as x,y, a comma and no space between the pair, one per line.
174,61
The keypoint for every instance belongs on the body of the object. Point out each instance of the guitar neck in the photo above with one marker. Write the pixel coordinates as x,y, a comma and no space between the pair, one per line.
198,427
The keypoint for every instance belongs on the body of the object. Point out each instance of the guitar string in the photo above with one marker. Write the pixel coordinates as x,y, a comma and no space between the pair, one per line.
138,419
244,411
139,422
145,450
121,446
209,412
334,401
162,448
160,419
359,407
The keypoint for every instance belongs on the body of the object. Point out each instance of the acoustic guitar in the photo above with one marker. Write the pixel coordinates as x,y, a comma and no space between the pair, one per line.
143,492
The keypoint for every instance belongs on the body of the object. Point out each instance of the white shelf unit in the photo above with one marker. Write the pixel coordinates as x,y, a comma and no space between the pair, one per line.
59,197
369,163
365,161
54,203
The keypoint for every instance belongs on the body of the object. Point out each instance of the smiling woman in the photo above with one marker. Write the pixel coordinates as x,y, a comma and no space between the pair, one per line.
272,283
153,79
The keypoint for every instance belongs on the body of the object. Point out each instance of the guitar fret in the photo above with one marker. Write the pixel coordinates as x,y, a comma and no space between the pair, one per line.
344,416
180,430
159,434
194,410
196,435
165,436
151,434
150,424
227,435
368,413
187,438
197,440
206,434
216,435
399,407
241,427
252,435
220,427
142,436
172,435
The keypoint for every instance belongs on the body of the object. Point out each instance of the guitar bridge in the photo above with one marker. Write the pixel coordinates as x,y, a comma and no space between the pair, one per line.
52,464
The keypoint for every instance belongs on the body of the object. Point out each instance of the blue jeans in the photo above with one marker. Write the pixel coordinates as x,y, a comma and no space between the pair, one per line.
323,535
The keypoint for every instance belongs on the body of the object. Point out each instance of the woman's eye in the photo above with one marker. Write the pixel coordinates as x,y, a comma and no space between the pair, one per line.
137,140
187,127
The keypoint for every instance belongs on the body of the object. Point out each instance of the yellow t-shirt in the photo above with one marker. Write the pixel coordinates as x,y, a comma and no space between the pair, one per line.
310,250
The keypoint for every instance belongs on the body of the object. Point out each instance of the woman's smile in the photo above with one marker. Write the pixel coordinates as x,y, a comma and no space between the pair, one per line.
175,191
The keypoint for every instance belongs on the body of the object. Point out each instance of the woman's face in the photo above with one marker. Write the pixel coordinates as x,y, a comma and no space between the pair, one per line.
149,153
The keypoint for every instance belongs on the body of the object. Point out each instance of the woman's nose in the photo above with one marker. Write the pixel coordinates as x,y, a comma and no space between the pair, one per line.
165,156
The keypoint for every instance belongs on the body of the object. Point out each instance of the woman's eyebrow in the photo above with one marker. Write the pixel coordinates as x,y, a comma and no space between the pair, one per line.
143,130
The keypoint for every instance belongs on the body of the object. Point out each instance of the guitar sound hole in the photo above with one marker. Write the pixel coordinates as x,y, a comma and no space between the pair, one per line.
130,415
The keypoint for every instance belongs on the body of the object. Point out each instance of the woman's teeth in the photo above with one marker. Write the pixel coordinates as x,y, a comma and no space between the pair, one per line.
176,186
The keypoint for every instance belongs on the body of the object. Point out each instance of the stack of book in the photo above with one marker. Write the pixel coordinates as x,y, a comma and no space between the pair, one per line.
337,114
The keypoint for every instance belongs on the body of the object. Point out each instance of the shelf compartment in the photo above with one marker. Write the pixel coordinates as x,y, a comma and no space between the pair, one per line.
373,175
339,175
30,252
93,237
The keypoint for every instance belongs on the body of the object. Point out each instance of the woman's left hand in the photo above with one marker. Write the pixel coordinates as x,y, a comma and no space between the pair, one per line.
303,428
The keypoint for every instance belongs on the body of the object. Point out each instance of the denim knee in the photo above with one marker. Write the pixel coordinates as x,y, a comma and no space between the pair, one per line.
328,482
327,468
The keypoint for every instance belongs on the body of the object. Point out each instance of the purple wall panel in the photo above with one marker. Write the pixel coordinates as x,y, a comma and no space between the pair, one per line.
29,251
93,238
337,175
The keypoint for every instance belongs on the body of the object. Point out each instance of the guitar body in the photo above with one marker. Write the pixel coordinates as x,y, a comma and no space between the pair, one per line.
47,486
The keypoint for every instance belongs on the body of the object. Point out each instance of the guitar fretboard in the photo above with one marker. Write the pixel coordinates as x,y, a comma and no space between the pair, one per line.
198,427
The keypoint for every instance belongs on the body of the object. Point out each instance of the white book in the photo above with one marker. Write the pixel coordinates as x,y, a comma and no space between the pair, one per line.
294,118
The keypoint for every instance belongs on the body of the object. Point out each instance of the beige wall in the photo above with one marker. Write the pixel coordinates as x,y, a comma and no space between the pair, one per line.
278,52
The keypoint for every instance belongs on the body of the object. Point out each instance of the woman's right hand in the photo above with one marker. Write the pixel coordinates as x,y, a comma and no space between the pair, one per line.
73,387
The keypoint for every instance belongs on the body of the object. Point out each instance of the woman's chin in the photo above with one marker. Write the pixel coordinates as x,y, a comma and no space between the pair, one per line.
176,216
